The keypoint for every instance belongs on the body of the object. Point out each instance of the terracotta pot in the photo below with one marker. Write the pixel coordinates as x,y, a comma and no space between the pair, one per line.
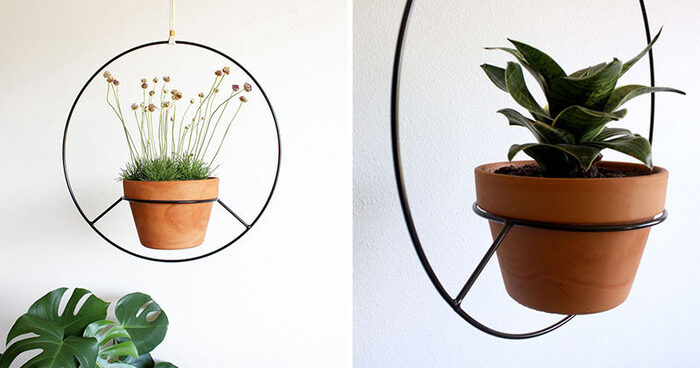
570,272
167,225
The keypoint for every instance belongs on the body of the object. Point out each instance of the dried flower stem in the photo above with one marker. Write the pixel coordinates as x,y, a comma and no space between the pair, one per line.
165,139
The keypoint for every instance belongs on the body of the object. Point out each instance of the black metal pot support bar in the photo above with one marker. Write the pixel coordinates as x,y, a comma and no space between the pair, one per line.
93,222
456,302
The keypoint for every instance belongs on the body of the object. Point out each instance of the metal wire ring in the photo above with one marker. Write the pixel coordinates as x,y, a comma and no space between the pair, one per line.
455,303
248,226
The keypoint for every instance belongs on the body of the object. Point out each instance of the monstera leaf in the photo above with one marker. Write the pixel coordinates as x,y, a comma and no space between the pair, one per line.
58,336
143,319
106,333
142,361
146,361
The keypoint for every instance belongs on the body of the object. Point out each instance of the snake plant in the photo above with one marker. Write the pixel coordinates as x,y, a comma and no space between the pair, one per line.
571,128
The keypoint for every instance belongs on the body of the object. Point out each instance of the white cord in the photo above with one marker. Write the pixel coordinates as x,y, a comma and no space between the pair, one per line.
171,37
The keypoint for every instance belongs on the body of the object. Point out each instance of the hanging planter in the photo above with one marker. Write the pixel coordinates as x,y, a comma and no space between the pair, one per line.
169,180
559,271
571,272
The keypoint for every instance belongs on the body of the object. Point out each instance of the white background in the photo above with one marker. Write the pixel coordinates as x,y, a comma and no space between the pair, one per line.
450,125
281,296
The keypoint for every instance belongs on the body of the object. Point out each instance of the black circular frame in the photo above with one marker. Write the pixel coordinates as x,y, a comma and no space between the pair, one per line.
247,226
456,302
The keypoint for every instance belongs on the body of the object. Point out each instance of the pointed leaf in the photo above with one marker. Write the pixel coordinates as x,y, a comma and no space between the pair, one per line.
518,56
634,60
633,145
143,318
497,75
592,91
625,93
543,132
540,62
585,72
608,133
585,123
57,349
518,90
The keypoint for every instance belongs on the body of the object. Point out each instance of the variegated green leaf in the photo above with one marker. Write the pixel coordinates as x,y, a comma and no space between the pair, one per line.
585,72
540,63
608,133
518,56
592,91
519,91
632,145
496,75
585,123
635,59
625,93
543,132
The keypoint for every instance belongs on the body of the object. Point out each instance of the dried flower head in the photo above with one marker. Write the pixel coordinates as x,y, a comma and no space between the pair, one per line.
155,79
144,85
192,100
107,74
143,80
166,104
235,87
151,93
116,82
134,106
226,70
201,95
176,94
152,107
216,90
166,78
247,87
218,73
244,99
110,79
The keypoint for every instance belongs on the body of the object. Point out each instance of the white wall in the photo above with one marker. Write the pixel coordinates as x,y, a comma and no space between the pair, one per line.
450,125
281,297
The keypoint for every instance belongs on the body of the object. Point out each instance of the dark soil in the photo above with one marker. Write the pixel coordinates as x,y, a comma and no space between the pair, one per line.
595,172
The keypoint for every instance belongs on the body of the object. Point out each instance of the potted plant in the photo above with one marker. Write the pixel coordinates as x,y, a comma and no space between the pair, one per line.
568,183
80,336
168,180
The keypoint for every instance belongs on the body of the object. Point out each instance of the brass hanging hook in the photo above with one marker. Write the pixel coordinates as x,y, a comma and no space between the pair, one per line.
171,37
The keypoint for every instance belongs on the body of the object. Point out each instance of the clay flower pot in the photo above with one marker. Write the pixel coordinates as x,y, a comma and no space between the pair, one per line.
168,225
570,272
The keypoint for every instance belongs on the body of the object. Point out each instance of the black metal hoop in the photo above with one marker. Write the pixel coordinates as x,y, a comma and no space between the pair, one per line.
247,226
455,303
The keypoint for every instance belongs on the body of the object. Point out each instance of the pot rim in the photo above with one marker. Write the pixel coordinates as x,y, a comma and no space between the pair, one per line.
488,169
172,181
